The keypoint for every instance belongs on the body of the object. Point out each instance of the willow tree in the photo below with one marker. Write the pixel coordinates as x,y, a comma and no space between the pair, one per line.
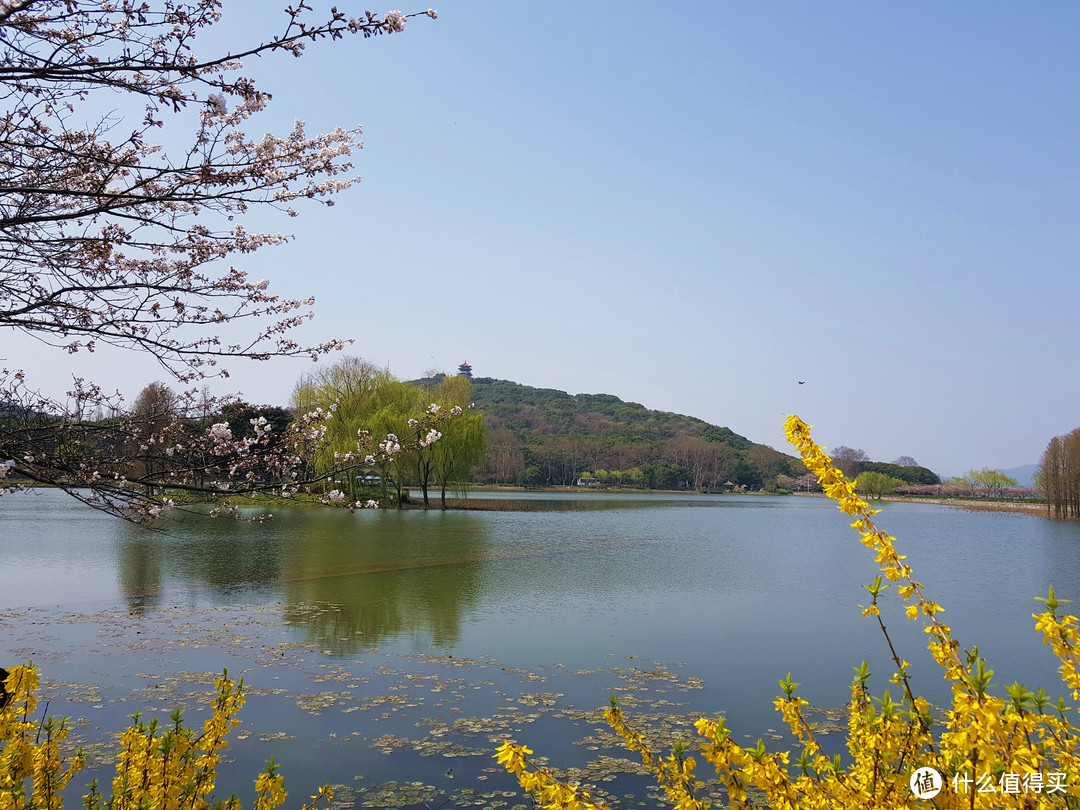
363,399
461,447
876,485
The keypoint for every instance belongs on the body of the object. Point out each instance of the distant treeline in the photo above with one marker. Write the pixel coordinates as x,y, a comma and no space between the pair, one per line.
969,491
544,437
909,475
1060,474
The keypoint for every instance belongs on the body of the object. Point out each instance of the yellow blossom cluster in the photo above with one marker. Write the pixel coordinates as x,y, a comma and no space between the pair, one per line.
548,791
987,751
675,773
173,769
27,755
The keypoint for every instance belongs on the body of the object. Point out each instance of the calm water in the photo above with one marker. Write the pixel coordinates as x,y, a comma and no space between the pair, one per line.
349,628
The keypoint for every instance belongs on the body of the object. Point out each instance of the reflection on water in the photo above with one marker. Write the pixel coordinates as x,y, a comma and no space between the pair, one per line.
742,589
139,566
331,613
403,575
218,554
348,581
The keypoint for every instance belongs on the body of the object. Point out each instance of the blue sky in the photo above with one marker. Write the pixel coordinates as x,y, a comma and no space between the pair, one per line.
695,206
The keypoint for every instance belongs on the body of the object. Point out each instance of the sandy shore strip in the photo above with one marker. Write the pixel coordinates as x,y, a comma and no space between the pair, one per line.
979,505
478,503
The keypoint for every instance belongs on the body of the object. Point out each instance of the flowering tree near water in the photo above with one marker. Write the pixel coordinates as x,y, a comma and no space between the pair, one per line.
108,239
371,402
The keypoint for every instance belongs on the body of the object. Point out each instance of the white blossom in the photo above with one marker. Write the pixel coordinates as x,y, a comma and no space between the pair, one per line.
111,217
220,432
161,509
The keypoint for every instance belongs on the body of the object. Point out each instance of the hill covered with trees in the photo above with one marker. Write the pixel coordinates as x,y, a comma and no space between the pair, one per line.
546,437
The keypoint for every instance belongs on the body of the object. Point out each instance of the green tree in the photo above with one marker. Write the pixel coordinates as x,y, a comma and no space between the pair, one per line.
240,415
910,474
363,397
876,485
348,388
665,475
461,446
993,480
399,401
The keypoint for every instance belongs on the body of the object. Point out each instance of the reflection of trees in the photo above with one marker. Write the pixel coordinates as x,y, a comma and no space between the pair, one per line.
214,552
350,587
349,580
139,568
218,552
226,554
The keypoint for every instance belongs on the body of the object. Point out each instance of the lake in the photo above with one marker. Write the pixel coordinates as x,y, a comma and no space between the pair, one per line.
384,648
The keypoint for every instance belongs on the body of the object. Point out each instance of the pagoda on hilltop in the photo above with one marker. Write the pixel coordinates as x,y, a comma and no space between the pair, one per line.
465,370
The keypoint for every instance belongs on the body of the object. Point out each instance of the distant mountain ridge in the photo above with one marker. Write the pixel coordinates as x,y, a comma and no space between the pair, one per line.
540,411
1023,474
547,437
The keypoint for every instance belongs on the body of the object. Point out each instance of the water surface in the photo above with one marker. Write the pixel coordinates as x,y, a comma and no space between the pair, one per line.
350,627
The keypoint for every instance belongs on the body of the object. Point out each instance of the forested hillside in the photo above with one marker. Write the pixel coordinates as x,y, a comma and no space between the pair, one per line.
544,437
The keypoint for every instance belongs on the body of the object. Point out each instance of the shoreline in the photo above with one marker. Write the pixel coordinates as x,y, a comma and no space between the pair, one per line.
978,505
1035,508
481,504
